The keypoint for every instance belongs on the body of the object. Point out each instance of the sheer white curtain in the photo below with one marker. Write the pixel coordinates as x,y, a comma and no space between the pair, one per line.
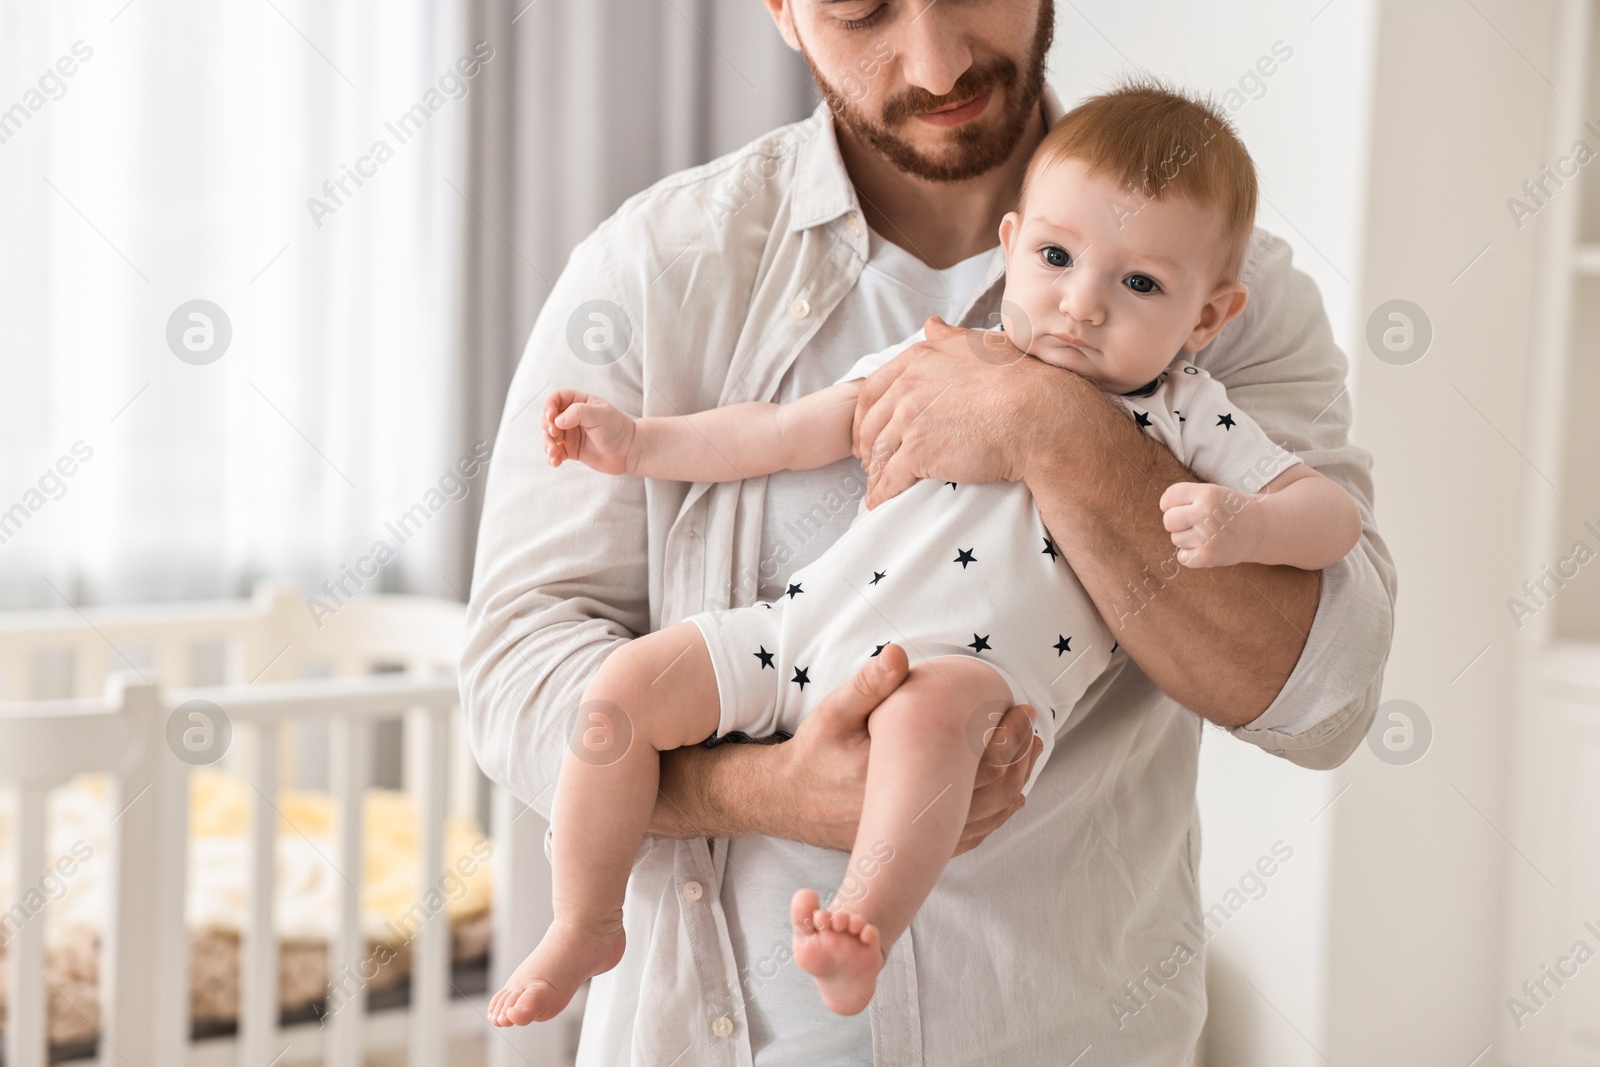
376,195
175,163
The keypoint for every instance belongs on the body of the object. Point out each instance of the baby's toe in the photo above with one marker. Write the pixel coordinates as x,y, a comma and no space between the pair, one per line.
802,909
521,1009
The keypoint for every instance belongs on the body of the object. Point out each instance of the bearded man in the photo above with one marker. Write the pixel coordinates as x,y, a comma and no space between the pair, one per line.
1074,934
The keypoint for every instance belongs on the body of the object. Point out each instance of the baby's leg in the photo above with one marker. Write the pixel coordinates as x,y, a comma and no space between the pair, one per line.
654,693
919,786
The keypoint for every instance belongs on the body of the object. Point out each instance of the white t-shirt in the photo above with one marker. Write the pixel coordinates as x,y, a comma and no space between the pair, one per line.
805,512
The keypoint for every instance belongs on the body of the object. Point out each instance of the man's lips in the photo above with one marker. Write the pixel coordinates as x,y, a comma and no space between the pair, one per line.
956,114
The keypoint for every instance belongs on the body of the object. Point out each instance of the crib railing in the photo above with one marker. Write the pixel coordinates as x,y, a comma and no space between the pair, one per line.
250,660
41,747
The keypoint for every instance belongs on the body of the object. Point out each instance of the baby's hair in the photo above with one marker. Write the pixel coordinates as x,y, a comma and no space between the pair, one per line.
1156,141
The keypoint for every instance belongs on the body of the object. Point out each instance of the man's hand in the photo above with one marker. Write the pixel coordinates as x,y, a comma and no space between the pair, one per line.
810,788
946,408
826,761
1211,525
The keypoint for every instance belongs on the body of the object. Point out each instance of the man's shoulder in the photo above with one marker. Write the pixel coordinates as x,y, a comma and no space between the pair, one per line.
1268,258
1284,313
743,191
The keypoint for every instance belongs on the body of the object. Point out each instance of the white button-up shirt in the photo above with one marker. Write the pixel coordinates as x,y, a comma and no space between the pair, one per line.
1073,931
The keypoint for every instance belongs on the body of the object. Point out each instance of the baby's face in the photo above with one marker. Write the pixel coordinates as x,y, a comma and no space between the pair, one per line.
1110,286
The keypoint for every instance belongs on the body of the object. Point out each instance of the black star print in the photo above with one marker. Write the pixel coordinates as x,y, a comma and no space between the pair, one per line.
765,657
978,644
1225,420
1142,419
801,677
1063,644
951,484
878,576
1178,413
880,648
1052,713
964,556
1114,646
1050,548
766,604
792,590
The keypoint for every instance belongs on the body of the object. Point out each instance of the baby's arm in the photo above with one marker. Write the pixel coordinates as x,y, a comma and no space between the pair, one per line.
723,444
1301,518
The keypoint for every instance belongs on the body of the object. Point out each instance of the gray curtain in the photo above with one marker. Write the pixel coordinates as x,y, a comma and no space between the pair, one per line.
586,103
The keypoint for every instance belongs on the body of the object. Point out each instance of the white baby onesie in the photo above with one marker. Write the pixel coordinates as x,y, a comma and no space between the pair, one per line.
962,569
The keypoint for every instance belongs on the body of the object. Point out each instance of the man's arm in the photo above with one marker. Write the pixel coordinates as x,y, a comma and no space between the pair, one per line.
809,788
1220,641
560,577
1225,642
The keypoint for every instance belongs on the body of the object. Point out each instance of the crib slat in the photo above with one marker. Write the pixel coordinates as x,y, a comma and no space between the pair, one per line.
26,1036
144,959
350,757
429,748
258,978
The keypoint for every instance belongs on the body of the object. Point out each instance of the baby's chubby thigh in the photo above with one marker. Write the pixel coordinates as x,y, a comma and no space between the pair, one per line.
945,698
659,690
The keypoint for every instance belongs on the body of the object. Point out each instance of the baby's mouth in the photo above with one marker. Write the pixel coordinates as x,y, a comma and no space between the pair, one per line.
1073,343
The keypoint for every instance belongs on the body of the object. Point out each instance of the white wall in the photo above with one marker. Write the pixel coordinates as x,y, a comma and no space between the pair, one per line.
1306,124
1420,851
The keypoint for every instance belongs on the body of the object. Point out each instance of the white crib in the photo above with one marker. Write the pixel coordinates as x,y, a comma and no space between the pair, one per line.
94,690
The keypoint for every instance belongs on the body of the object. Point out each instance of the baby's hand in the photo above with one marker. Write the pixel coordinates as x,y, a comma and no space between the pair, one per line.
586,428
1211,525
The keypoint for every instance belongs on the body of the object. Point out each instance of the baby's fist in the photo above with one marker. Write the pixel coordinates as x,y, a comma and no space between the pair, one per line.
1211,525
586,428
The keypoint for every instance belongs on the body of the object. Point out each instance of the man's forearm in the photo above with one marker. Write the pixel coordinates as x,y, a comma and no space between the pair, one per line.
713,792
1222,640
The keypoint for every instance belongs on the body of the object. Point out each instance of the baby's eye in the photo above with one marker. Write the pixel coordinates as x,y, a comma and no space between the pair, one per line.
1141,283
1056,256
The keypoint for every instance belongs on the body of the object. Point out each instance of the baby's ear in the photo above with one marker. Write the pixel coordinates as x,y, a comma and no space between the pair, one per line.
1010,223
1223,307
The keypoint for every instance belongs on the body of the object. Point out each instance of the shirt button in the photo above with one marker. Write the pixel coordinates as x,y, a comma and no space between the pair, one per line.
692,891
723,1026
855,226
800,308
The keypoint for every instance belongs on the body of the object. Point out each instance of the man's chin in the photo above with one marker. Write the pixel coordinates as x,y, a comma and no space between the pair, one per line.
949,156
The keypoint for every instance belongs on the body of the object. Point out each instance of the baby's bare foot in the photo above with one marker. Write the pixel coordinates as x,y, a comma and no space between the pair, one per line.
544,982
840,950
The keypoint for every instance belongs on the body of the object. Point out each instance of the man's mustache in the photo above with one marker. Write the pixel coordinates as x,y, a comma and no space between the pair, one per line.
974,81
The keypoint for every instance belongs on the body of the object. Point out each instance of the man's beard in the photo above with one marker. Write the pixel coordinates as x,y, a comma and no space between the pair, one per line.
973,149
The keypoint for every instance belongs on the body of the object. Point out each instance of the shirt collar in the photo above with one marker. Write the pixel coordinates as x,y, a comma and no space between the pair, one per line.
822,189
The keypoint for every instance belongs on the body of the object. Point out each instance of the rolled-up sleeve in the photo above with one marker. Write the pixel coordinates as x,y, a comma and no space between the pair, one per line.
560,578
1280,363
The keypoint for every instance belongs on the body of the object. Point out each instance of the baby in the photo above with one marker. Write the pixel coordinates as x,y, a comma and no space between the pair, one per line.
1122,257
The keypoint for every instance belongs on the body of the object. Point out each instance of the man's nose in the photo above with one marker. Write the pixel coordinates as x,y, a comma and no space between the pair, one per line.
933,48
